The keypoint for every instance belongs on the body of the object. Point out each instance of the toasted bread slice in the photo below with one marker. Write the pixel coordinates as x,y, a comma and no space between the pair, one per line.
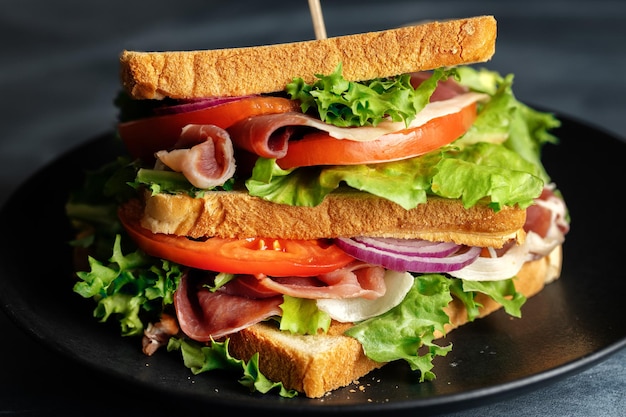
317,364
269,68
341,214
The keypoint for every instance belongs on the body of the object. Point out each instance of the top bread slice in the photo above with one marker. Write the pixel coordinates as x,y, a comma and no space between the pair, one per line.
269,68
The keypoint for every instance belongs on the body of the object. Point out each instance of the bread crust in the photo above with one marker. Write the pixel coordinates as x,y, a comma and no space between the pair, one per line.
315,365
268,68
341,214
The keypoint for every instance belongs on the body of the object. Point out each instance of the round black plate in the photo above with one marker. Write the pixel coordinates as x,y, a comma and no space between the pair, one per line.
568,327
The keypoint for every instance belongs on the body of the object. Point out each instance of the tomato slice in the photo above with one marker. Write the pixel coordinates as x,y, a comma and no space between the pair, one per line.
322,149
273,257
144,137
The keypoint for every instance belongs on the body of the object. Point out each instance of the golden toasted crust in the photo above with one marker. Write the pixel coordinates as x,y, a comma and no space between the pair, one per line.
315,365
268,68
341,214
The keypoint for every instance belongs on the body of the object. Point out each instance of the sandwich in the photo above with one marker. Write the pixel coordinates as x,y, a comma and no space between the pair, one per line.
305,213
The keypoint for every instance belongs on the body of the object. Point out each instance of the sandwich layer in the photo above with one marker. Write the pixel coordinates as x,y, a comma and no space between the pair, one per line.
317,364
342,214
269,68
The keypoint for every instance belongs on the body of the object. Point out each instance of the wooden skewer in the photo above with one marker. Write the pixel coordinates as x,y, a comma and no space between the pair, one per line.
318,19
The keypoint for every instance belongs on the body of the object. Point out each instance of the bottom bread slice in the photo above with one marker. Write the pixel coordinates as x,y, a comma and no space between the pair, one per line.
304,363
317,364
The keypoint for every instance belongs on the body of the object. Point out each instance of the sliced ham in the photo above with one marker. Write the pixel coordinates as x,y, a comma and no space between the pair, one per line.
204,315
157,335
546,223
356,280
268,135
547,212
248,286
204,154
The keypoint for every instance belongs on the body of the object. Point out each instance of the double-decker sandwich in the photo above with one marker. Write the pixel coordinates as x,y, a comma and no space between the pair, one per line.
318,209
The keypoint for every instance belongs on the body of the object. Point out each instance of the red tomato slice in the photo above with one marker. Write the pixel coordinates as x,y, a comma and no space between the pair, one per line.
144,137
273,257
322,149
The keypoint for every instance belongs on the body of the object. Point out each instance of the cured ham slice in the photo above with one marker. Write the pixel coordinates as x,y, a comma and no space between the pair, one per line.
157,335
204,154
268,135
548,212
204,315
356,280
546,223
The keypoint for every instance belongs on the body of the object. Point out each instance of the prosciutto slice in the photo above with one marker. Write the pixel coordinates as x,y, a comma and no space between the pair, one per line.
353,281
204,154
204,315
157,335
546,223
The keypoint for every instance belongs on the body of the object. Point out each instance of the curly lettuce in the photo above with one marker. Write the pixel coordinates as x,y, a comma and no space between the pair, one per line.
346,103
480,171
129,286
407,332
201,358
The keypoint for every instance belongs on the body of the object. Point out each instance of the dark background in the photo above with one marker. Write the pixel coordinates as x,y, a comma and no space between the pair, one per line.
58,77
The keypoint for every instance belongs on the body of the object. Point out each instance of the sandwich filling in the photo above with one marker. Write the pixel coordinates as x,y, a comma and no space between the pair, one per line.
454,134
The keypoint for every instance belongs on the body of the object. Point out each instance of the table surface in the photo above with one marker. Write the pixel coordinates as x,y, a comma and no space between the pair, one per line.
59,76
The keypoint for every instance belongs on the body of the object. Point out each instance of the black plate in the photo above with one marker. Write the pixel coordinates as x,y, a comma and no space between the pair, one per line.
572,324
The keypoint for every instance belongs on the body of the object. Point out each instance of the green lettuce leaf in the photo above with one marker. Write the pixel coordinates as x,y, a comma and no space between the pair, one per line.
132,288
486,170
502,292
467,298
345,103
159,181
407,331
479,171
405,182
504,118
301,316
201,358
404,331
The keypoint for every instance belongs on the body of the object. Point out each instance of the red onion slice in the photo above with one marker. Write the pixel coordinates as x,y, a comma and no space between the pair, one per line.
417,247
412,263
